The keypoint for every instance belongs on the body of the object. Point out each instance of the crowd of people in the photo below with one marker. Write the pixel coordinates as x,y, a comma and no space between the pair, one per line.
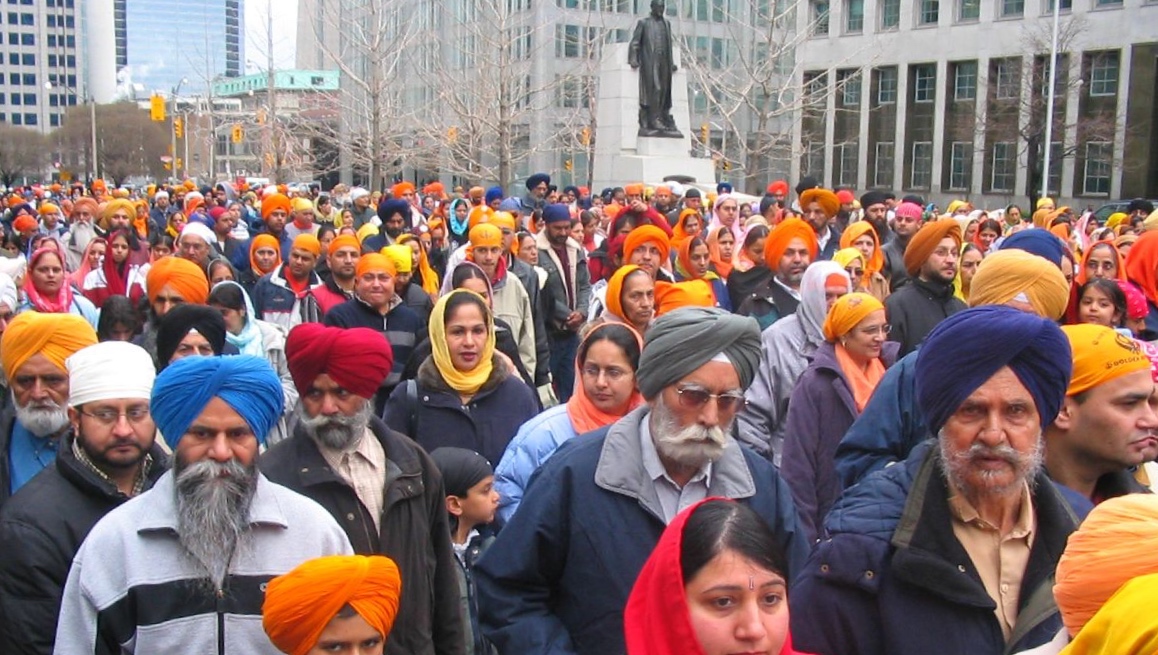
651,421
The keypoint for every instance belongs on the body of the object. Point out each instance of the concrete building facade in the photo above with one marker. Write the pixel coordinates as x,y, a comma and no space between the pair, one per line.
948,98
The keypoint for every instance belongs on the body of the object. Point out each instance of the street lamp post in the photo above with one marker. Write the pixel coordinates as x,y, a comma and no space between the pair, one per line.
94,163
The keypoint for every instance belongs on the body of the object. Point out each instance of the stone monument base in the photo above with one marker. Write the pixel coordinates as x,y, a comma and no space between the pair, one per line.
621,155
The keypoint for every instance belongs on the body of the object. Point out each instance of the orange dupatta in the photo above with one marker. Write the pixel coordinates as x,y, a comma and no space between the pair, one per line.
863,382
585,416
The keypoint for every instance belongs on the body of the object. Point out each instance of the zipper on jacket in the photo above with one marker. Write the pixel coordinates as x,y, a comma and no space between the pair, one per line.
220,622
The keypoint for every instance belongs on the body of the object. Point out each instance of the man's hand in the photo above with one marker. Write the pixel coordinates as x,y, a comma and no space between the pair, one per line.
574,320
638,206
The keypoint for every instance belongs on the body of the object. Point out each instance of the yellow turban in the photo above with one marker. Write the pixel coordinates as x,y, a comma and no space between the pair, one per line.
504,220
485,235
374,262
366,231
401,255
1115,219
1013,274
300,604
186,278
111,208
302,205
954,206
1151,222
689,293
846,256
56,336
1125,625
1114,544
926,240
1041,202
847,312
1101,354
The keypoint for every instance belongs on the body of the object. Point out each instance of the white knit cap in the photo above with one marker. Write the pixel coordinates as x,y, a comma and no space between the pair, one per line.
109,370
198,230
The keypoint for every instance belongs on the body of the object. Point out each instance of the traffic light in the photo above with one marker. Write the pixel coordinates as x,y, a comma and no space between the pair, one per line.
704,132
585,136
452,134
237,135
179,128
568,165
157,108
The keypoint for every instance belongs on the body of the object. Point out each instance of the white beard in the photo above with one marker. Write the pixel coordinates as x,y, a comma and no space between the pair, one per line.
42,418
692,445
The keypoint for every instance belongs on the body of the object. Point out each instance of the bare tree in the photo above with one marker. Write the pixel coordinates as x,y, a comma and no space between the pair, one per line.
22,153
128,142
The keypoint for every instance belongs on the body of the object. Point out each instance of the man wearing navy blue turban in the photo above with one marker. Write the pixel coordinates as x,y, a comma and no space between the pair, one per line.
953,550
199,546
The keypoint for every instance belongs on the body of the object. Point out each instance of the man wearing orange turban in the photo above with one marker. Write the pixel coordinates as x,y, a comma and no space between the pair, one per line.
338,287
647,247
33,350
791,246
335,602
820,207
173,280
275,211
689,293
277,295
927,298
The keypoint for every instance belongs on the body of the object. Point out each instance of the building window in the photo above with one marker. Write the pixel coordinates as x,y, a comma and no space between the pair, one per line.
924,83
965,80
1065,5
890,14
1008,75
1104,73
854,11
886,85
922,173
819,17
968,10
960,165
1108,3
929,12
1096,181
883,175
1012,8
815,89
1004,171
848,156
849,83
30,119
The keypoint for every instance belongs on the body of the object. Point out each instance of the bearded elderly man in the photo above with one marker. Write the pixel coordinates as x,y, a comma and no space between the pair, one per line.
953,551
33,351
109,456
382,487
182,568
558,576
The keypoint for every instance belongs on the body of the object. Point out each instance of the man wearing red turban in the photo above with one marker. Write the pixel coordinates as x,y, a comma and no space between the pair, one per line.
382,488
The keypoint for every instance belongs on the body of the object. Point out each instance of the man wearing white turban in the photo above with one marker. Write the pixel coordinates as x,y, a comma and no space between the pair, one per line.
599,505
108,457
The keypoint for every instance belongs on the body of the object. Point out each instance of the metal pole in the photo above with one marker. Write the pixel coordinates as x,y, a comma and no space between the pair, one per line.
1049,102
96,171
173,135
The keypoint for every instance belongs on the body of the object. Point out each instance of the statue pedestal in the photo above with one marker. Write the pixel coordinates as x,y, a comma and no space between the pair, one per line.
621,155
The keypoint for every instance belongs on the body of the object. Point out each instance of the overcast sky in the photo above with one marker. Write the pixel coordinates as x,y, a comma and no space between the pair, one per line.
285,24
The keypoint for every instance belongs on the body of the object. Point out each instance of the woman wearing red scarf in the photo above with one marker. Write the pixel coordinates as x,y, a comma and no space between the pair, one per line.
116,275
605,366
47,289
715,584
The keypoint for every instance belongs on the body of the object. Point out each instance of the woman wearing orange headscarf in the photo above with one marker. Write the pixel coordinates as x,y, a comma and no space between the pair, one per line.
690,224
721,248
605,391
354,597
694,262
863,237
630,298
1102,260
830,395
1142,270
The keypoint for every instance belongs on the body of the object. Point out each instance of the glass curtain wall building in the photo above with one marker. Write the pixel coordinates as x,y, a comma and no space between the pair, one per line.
161,42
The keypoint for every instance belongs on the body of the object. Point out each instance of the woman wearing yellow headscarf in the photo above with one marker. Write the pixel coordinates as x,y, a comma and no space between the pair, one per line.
829,396
421,269
852,261
464,395
863,237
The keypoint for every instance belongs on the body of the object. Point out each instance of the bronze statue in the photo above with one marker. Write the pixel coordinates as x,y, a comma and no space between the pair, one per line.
651,54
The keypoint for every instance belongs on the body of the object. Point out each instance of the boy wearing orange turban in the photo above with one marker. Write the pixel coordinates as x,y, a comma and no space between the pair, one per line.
173,280
277,295
917,307
647,246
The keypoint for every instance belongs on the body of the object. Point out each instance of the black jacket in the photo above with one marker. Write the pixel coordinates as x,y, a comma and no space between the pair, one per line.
7,420
41,528
768,303
413,532
916,308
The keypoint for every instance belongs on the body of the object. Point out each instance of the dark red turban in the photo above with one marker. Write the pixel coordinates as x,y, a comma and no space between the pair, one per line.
358,359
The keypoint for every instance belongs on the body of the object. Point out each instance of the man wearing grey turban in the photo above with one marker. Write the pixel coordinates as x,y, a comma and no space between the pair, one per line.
560,573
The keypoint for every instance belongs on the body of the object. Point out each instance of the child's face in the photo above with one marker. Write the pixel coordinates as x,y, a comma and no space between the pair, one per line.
481,503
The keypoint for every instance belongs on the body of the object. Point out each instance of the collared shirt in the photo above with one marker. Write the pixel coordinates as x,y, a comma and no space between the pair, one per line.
1000,559
672,498
794,292
364,468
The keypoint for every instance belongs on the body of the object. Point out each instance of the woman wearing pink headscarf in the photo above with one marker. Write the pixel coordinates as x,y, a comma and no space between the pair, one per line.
726,213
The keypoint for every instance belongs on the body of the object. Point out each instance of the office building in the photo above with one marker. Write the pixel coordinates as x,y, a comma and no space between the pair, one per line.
158,43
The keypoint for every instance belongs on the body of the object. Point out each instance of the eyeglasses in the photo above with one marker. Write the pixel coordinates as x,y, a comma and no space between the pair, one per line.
613,374
855,272
109,416
944,252
695,398
874,330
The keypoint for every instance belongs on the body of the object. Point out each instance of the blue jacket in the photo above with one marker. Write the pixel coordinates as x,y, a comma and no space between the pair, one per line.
891,425
435,416
892,579
556,580
821,409
534,444
275,302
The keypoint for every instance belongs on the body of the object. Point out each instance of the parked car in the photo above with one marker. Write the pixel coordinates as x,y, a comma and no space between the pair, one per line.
1103,212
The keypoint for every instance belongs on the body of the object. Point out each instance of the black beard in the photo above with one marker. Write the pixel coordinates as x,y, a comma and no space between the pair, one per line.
338,432
213,502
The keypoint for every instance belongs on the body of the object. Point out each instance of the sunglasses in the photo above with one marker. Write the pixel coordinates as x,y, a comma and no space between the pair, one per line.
695,398
855,272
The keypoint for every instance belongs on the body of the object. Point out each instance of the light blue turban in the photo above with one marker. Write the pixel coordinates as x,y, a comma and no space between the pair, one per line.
246,383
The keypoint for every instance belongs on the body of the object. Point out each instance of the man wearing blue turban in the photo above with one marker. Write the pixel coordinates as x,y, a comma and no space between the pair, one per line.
953,550
165,571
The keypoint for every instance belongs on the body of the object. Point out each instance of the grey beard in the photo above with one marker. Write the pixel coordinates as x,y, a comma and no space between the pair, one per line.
692,445
1026,466
213,502
42,418
339,432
